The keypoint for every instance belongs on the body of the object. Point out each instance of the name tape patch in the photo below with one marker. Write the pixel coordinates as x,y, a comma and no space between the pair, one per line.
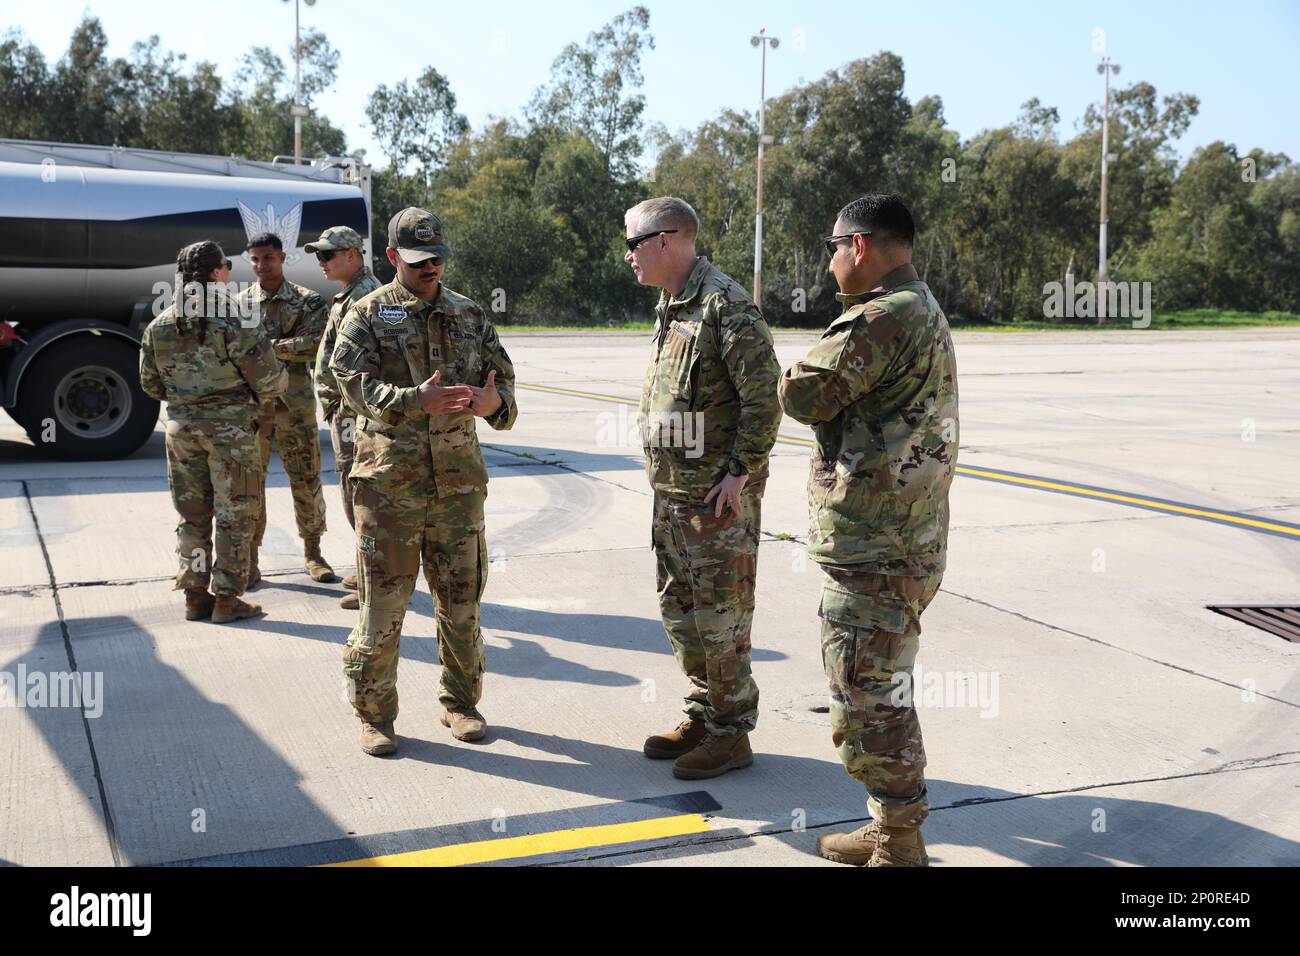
685,331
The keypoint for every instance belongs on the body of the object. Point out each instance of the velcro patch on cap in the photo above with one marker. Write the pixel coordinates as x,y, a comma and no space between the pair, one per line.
393,314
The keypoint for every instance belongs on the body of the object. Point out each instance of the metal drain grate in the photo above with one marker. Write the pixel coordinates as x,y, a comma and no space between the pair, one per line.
1282,620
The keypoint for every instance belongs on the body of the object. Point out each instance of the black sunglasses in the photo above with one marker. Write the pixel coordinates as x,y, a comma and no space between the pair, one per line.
326,256
431,261
832,241
635,241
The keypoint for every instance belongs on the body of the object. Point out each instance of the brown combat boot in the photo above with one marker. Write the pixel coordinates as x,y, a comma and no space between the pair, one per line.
466,723
198,604
229,608
900,846
673,744
714,756
350,582
855,849
315,563
350,602
378,739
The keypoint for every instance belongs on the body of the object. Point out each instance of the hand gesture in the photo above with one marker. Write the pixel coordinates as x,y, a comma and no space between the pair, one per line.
486,400
438,399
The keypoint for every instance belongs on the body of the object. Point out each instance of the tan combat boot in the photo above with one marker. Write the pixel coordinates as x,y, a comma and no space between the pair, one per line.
714,756
466,723
198,604
378,739
350,602
315,563
900,846
350,582
673,744
855,849
229,608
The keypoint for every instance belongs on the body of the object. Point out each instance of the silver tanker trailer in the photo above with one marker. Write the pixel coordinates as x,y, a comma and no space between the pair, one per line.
88,243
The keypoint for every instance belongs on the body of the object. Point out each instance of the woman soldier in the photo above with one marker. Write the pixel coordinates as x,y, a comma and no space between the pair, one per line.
214,371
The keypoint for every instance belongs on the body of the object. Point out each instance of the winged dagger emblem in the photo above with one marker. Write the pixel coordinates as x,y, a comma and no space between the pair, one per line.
286,227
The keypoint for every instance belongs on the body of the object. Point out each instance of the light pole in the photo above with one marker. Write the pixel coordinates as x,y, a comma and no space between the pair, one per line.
297,110
1106,68
763,140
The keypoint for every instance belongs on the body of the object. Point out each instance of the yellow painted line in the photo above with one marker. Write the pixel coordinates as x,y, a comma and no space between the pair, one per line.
569,391
537,844
1151,503
1133,500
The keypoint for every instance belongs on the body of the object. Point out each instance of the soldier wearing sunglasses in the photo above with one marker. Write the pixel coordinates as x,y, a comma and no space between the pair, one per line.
419,363
340,251
710,415
880,391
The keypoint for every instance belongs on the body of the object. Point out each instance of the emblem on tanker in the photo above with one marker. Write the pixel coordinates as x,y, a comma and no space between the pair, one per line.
286,227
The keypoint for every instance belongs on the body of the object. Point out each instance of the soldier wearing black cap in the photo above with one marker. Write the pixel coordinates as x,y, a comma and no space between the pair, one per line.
418,362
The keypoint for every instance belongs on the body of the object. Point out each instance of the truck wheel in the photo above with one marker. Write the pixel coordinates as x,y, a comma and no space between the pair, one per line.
81,400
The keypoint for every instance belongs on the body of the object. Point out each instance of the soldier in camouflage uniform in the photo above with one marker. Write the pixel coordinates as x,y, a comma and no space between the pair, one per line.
709,414
880,391
418,362
214,372
341,252
293,318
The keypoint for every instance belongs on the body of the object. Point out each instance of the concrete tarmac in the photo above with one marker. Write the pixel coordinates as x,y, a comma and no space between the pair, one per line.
1080,703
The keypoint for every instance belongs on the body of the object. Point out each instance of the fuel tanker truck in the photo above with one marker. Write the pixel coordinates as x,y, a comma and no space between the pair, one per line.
88,244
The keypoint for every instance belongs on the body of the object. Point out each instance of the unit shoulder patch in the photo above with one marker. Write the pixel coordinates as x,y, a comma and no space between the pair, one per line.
392,314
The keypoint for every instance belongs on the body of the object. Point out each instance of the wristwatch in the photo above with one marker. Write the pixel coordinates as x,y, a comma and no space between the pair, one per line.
734,467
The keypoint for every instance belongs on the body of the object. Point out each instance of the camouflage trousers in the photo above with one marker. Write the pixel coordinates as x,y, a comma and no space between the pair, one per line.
395,534
871,630
213,471
294,432
342,427
705,568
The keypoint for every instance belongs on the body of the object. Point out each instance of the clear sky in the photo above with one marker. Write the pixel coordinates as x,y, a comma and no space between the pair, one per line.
983,59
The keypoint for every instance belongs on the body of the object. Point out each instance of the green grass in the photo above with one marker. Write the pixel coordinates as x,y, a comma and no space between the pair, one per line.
1188,319
536,327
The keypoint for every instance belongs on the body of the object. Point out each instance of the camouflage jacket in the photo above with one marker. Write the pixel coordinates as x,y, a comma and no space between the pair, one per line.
880,391
389,343
710,392
327,389
293,318
224,377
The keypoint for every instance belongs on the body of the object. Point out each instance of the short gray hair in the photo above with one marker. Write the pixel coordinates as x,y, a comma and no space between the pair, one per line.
665,212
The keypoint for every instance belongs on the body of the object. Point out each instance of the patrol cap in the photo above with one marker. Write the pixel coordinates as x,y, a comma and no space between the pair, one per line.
336,237
416,234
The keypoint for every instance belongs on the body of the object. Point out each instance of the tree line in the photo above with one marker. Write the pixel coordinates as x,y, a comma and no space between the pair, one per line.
534,204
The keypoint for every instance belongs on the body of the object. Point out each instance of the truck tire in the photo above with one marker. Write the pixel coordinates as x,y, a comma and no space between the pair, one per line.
80,400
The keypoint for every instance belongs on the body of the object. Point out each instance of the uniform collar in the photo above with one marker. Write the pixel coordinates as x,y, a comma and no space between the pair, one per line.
414,303
362,275
284,291
904,273
693,283
215,294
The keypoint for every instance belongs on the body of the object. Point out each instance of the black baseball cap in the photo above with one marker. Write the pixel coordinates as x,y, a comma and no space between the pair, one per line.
416,234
